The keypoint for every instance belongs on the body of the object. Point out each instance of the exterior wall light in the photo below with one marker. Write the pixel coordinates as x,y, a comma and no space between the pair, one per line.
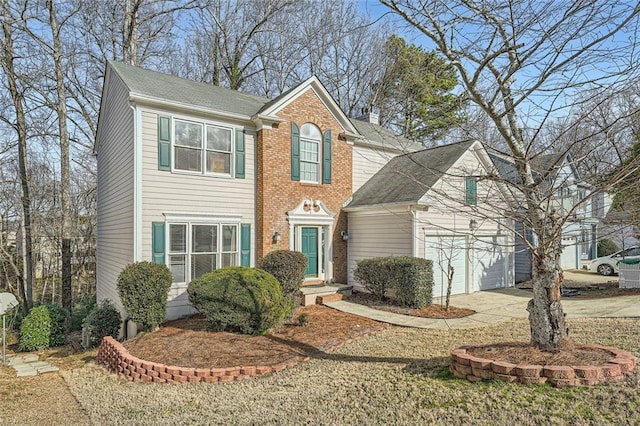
276,237
344,235
473,225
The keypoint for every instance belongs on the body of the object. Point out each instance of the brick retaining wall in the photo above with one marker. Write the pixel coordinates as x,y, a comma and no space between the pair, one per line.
116,358
464,365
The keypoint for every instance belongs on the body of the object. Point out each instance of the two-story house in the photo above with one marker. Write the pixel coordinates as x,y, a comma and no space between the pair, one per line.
200,177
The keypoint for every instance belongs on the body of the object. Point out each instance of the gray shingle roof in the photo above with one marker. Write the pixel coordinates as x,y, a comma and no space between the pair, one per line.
182,91
379,136
406,178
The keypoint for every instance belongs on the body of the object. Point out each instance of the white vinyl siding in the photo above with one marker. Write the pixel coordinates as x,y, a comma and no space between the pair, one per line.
367,161
115,162
193,194
377,235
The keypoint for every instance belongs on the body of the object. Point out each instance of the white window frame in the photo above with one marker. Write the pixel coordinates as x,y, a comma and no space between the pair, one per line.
203,148
318,163
188,253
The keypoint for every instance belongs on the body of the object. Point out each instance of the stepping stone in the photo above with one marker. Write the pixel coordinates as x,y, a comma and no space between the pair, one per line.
47,369
39,364
25,371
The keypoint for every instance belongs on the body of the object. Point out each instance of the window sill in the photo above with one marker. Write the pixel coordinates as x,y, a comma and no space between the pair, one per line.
310,184
208,175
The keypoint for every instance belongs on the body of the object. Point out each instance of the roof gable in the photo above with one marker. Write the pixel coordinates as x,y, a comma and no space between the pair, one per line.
271,108
407,178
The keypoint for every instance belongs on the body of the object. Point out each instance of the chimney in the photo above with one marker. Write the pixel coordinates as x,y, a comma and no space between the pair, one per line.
370,116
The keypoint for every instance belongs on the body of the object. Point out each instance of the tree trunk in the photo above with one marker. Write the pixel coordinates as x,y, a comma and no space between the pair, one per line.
65,185
21,128
546,317
450,271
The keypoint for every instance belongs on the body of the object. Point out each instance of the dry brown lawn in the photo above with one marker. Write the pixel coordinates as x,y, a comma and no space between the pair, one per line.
394,376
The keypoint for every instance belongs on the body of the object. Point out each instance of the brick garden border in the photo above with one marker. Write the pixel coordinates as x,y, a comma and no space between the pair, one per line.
116,358
467,366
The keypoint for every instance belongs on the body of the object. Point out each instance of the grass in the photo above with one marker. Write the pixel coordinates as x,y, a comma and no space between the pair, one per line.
397,376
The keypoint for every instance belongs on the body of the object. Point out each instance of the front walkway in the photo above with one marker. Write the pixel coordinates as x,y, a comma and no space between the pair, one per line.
496,306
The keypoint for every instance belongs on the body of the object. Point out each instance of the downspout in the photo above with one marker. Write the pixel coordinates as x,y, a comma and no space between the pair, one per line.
414,230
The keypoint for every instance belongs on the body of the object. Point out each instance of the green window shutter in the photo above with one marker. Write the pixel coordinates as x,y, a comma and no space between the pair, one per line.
157,242
245,244
295,152
326,155
471,191
164,143
240,154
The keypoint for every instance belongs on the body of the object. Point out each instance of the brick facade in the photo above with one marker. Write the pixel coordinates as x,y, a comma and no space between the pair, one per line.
276,193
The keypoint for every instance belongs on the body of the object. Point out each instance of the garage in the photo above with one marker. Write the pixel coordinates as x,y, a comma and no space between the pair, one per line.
443,250
490,259
569,255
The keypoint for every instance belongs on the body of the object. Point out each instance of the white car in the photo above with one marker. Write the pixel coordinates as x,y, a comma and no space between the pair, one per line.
608,265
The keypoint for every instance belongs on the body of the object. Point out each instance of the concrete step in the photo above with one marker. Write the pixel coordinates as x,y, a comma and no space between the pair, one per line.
312,293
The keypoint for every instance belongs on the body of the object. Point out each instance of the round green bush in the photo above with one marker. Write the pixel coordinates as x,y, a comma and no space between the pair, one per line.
240,299
103,320
288,267
143,288
607,247
35,329
58,317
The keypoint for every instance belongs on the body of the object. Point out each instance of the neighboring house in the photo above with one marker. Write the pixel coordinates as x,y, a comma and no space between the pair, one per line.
200,177
435,204
618,227
570,197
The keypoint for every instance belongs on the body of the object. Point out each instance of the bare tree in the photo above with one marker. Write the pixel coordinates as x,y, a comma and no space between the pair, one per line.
8,61
523,64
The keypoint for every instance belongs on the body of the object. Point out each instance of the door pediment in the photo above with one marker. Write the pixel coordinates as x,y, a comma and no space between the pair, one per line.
310,212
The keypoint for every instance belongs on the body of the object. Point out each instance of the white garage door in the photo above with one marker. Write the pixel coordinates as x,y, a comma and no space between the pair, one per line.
490,258
444,251
569,257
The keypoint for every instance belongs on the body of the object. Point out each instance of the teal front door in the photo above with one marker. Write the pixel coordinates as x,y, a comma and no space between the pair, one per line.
310,250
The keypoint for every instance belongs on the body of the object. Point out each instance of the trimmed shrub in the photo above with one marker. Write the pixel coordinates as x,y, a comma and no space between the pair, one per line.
288,267
103,320
407,280
35,329
411,280
241,299
607,247
58,316
373,275
143,288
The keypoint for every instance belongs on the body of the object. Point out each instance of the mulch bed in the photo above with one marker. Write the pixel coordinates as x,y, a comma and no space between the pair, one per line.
570,353
432,311
187,342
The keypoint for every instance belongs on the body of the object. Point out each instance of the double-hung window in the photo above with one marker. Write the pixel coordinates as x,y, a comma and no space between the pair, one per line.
202,148
195,249
310,139
188,146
